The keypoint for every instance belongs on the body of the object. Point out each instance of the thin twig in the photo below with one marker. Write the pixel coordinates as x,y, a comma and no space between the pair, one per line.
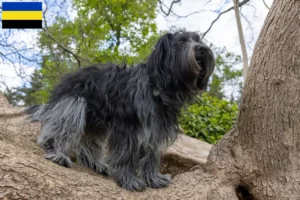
78,58
266,4
176,15
229,9
170,8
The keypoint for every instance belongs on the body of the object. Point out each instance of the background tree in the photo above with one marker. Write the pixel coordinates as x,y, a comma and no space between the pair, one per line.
122,31
102,32
226,80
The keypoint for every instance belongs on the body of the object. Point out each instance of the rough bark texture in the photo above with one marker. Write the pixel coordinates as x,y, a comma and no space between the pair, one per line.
262,152
258,159
25,174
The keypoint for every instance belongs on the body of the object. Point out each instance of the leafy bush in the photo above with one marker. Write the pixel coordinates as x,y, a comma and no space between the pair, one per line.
209,118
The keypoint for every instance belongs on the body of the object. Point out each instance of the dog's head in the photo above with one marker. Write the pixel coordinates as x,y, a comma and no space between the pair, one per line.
181,58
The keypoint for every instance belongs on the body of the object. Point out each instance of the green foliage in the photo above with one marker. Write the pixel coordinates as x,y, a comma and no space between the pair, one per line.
104,31
209,118
225,75
112,30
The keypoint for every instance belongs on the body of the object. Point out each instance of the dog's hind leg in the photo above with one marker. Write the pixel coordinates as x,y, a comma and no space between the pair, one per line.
124,157
62,128
92,152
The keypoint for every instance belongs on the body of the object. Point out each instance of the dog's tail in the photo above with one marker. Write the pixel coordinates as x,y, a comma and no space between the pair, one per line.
35,113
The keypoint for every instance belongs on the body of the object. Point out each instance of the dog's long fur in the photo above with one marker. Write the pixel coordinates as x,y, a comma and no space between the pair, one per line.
116,119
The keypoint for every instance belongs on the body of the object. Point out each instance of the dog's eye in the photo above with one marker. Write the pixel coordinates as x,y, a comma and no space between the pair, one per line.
180,42
196,38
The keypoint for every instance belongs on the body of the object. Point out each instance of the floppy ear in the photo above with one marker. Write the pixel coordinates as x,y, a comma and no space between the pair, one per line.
163,46
159,61
164,42
161,50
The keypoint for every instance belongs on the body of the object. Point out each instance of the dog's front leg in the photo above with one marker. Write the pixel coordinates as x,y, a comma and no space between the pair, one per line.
150,165
123,158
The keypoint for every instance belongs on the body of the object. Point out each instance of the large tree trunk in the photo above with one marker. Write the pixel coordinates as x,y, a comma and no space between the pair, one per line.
258,159
262,152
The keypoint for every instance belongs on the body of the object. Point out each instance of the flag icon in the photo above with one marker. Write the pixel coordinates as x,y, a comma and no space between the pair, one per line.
22,15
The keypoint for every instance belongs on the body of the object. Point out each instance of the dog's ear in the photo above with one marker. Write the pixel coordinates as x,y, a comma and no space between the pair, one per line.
160,61
161,54
164,43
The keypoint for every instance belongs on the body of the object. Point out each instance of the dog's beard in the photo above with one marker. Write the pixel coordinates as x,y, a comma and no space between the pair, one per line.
201,65
206,69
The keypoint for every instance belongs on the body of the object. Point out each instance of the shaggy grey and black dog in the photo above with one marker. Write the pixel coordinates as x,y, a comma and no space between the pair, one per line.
116,119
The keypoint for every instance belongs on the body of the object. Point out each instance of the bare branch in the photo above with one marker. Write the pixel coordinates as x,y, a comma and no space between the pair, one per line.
176,15
167,13
3,84
16,70
185,16
266,5
226,11
78,58
242,38
251,38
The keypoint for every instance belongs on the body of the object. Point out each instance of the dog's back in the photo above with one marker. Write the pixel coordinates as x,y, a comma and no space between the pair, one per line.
99,87
82,102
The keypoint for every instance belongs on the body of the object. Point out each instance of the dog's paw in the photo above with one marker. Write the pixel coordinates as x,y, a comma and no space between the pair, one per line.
101,169
59,159
132,184
158,180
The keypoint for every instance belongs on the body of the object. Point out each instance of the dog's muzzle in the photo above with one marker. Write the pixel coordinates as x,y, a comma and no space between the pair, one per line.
205,59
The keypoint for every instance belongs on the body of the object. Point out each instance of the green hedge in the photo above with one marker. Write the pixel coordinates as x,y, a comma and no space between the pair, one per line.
209,118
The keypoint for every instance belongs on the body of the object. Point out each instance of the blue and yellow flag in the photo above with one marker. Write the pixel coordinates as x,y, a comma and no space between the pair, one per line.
22,15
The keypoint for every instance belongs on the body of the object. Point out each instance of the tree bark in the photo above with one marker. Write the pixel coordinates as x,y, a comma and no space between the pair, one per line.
262,151
25,174
258,159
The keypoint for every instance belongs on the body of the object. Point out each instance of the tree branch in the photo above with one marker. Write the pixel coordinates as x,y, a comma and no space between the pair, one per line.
242,38
169,9
77,57
176,15
229,9
266,5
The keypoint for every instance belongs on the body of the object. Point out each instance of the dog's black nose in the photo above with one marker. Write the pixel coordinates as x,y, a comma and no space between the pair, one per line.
201,48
